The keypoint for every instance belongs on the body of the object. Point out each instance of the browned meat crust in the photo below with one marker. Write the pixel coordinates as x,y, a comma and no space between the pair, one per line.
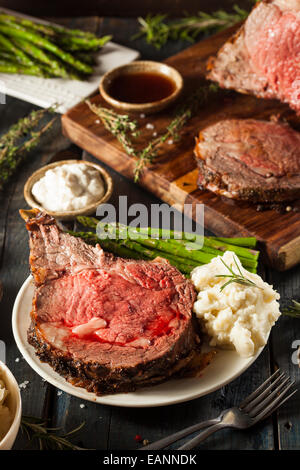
257,161
68,273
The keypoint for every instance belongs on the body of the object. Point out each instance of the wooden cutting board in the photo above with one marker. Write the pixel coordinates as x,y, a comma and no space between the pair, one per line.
173,177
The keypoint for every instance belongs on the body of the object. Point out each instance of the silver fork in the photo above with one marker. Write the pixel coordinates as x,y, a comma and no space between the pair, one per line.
256,407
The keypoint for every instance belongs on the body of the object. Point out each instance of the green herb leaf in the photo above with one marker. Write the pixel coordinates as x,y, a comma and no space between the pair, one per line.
293,310
238,277
157,30
48,438
123,128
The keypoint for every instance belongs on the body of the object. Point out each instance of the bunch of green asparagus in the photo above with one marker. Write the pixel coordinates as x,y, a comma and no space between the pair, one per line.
149,243
46,51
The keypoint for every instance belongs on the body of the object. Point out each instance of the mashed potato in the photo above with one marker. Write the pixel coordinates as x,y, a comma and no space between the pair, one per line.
5,414
239,316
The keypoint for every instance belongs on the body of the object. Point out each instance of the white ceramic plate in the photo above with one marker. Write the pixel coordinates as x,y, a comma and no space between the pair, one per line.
225,367
45,92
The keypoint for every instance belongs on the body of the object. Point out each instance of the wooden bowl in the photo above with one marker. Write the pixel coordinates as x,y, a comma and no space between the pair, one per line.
68,215
142,66
14,404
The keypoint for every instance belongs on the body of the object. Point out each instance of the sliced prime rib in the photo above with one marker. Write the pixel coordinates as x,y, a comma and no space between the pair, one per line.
106,324
258,161
263,58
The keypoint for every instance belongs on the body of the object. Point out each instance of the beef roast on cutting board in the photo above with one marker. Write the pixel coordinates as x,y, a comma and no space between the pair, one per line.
263,58
258,161
107,324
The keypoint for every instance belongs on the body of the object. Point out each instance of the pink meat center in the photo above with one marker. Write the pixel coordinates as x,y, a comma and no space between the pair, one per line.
275,53
132,310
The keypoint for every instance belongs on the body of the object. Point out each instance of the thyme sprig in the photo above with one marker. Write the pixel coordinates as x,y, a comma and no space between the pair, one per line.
123,128
19,140
182,116
293,310
48,438
238,277
157,30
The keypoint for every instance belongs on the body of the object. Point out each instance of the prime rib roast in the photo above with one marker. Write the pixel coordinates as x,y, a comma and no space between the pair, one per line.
106,324
263,58
258,161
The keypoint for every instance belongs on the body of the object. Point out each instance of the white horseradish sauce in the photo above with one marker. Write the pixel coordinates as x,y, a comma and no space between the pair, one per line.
69,187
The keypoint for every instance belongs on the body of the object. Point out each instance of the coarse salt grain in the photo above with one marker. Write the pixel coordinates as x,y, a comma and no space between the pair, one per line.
170,142
149,126
23,385
142,116
59,393
154,134
82,405
97,121
17,359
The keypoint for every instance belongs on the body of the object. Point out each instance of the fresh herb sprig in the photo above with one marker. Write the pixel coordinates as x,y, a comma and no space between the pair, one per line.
120,125
48,438
238,277
20,139
123,128
182,116
157,30
293,310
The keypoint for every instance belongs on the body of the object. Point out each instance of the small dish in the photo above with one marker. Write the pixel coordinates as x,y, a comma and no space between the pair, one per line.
15,405
68,215
142,67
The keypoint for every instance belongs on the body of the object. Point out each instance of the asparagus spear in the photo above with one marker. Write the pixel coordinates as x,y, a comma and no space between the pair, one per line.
218,244
206,244
15,30
20,56
55,67
175,248
10,67
48,30
244,256
7,55
86,58
72,32
248,242
41,28
73,43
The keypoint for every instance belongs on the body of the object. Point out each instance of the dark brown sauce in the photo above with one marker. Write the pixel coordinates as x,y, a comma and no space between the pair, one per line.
141,87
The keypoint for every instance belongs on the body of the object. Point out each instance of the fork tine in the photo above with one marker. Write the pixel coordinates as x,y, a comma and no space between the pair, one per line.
258,390
275,404
263,394
268,400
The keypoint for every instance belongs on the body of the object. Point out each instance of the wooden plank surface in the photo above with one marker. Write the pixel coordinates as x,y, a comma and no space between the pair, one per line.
173,176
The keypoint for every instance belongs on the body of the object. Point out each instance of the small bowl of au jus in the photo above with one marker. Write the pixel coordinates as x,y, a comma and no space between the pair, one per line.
141,86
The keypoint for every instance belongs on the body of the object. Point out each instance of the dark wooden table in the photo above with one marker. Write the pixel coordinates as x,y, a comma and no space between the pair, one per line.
112,427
